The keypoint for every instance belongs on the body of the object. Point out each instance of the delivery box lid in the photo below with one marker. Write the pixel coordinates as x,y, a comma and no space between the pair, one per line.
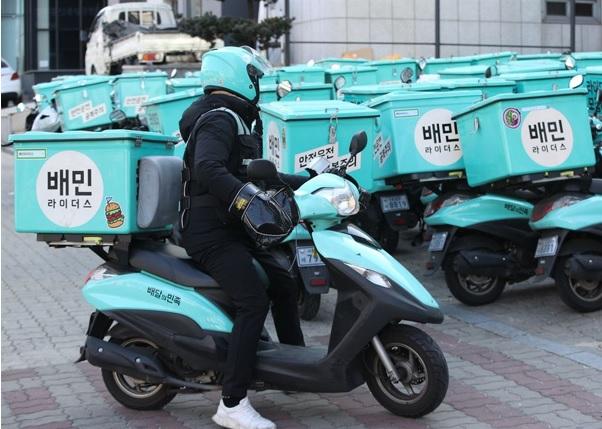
520,96
180,95
350,69
301,110
186,81
539,75
422,95
77,83
400,61
594,70
89,136
139,75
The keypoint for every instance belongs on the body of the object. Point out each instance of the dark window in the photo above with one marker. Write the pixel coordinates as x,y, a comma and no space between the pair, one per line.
584,9
121,16
134,17
158,18
556,8
4,64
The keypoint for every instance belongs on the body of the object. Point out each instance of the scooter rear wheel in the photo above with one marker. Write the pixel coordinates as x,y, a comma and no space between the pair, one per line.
422,370
308,304
581,295
472,289
131,392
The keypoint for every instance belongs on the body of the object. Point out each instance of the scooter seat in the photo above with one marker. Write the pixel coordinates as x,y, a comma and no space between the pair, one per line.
170,263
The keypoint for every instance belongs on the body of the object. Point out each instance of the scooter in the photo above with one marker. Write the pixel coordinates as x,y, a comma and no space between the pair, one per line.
570,245
168,323
482,241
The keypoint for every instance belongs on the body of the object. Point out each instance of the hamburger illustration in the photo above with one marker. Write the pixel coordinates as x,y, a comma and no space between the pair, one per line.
113,214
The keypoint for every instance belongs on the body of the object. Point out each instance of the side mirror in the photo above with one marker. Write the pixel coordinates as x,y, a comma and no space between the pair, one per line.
490,71
422,63
569,62
406,75
311,63
21,107
173,73
283,89
261,169
576,81
358,143
339,82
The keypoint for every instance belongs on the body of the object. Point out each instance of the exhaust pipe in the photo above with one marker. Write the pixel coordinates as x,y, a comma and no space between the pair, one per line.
135,364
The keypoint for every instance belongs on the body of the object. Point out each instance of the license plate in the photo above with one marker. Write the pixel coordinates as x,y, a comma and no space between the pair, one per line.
546,246
308,257
438,241
394,203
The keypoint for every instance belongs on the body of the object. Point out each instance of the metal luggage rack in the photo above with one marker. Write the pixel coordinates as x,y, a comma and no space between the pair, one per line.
540,179
424,178
109,247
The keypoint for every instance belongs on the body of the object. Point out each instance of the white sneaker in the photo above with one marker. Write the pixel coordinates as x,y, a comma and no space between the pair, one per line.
243,416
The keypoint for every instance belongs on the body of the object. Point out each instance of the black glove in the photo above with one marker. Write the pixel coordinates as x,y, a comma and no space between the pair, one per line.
243,198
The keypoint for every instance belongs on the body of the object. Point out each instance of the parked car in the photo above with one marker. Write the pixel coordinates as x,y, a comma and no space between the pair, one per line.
11,85
146,34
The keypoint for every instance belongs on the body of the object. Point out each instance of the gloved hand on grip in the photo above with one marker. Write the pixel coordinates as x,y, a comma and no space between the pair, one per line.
268,218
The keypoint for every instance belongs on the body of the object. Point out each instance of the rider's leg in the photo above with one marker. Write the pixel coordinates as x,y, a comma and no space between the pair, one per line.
283,292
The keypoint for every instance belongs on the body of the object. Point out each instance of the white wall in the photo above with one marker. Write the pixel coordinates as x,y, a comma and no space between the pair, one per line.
407,27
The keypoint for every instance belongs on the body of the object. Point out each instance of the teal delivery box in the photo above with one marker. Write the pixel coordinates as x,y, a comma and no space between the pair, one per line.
525,134
133,89
184,84
541,81
477,71
362,93
593,83
587,59
310,91
81,182
163,113
418,138
404,69
84,104
267,92
332,61
302,74
351,75
435,65
44,92
295,133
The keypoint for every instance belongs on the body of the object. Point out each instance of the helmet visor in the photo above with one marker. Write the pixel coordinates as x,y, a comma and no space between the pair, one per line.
255,59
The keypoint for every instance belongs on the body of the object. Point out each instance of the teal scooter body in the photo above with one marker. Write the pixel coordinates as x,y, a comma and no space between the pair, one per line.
153,298
570,245
482,242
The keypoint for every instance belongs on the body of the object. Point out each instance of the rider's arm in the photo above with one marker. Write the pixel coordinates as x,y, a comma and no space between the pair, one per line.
214,140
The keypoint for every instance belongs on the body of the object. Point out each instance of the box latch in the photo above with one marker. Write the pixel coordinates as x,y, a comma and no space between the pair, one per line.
138,141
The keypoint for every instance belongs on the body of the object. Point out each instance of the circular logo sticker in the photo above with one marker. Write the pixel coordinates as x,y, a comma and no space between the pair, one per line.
274,147
69,189
511,117
436,138
547,137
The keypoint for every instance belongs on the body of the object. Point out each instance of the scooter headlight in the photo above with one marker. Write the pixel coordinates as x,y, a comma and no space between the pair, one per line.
372,276
343,199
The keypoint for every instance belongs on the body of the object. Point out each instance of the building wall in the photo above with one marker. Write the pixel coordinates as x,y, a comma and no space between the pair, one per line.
13,33
407,28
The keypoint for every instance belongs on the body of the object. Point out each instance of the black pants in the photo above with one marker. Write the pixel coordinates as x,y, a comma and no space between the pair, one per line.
230,263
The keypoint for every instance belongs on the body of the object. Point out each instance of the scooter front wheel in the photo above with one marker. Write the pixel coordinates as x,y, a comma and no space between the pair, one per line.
134,393
581,295
421,367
